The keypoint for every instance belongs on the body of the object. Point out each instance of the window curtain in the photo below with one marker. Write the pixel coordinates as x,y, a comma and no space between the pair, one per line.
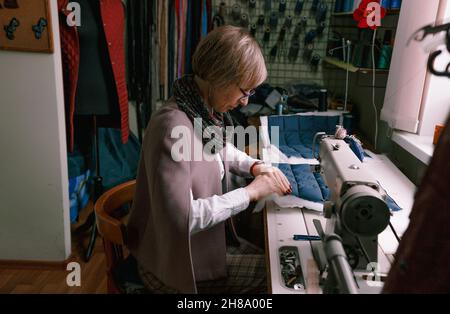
408,72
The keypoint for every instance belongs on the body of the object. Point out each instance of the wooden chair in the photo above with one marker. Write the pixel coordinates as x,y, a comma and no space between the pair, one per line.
111,211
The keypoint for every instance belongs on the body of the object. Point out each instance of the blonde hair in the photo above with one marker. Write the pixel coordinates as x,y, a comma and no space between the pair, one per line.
230,55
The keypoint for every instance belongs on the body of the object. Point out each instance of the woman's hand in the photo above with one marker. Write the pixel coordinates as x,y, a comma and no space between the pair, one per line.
268,180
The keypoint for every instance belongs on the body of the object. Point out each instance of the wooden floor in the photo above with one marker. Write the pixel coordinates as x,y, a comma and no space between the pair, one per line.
35,281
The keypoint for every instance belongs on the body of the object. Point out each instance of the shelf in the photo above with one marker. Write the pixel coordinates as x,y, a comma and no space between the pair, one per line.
350,67
389,12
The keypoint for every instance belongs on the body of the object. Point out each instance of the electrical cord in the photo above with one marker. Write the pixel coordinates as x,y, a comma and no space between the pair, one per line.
373,88
348,44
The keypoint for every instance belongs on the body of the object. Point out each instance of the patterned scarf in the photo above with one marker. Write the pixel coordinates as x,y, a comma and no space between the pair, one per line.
188,99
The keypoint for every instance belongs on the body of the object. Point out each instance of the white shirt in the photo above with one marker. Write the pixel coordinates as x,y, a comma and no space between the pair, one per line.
207,212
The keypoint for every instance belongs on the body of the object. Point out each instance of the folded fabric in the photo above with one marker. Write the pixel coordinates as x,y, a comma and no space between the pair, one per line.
309,185
296,133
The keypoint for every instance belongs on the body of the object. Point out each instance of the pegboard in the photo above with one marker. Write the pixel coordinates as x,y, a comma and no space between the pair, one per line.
282,70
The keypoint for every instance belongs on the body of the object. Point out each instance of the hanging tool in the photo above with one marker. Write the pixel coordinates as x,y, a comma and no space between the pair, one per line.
299,7
297,31
314,5
315,62
293,51
266,37
310,36
309,48
252,4
236,12
253,30
282,34
261,20
288,22
273,53
304,21
219,18
273,22
244,21
282,6
321,13
321,28
267,5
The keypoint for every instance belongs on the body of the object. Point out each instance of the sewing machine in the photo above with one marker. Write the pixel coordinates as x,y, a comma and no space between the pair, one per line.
355,215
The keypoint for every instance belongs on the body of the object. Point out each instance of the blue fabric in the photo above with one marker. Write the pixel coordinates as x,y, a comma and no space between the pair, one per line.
355,147
310,186
297,132
118,164
305,183
118,161
78,183
78,194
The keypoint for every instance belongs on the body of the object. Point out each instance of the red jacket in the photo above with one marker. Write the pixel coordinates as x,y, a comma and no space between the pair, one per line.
113,17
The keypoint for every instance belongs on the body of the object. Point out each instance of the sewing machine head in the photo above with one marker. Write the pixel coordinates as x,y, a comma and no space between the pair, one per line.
357,211
356,197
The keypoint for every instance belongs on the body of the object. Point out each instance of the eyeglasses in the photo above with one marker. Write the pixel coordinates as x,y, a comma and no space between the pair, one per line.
247,95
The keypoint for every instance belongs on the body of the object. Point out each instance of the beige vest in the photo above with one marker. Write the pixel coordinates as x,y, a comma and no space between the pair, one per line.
158,227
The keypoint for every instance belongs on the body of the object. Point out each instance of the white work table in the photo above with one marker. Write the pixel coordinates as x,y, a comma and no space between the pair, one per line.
282,223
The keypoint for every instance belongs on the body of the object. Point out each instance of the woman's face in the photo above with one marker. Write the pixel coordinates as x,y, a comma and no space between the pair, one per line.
228,98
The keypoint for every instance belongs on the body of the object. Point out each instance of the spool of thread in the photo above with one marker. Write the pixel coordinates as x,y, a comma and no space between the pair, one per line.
395,4
236,12
349,122
437,133
338,6
253,30
252,4
358,55
386,4
385,57
288,22
347,6
356,4
244,21
299,7
340,133
282,6
323,100
273,22
279,109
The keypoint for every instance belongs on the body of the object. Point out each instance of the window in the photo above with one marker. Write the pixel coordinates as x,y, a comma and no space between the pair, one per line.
415,99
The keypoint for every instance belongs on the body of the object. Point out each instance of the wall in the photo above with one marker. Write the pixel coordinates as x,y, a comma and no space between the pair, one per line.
34,204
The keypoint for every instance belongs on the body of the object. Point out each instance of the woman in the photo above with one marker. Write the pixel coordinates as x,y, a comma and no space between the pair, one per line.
176,227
